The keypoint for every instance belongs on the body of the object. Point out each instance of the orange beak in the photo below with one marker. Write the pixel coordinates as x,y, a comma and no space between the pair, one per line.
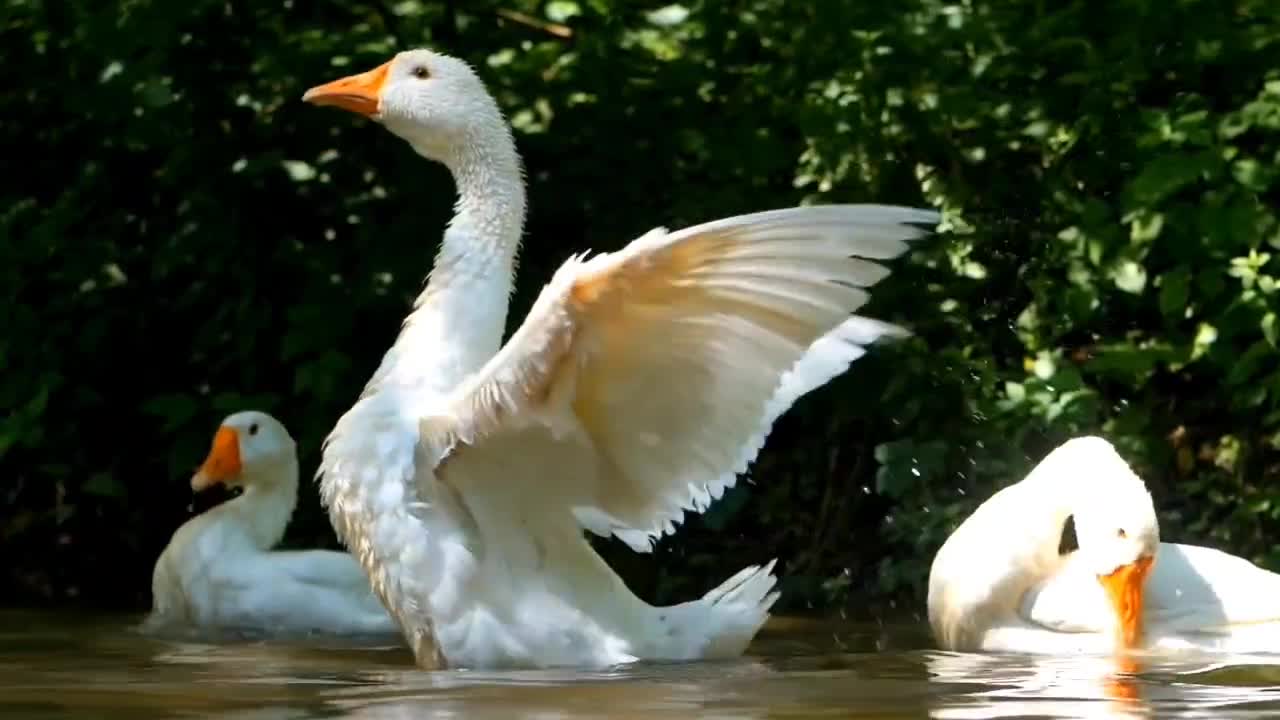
1124,587
357,93
223,462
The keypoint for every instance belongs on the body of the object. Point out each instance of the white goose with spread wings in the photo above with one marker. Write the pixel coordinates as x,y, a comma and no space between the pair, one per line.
640,385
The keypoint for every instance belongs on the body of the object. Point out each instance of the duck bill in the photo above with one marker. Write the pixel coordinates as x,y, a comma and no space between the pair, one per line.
223,462
360,94
1124,587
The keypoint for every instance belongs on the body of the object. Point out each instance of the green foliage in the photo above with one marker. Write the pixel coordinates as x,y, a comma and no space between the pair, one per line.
1136,167
186,239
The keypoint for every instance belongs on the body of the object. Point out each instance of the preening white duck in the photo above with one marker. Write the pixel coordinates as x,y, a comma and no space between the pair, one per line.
218,570
640,384
999,582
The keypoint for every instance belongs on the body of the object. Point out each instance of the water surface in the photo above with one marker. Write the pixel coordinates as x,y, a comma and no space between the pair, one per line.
65,665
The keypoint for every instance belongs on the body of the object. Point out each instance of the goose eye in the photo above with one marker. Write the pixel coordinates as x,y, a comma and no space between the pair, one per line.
421,72
1120,533
253,429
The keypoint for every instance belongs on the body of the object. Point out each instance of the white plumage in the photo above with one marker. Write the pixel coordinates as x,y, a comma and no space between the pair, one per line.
999,583
640,385
219,570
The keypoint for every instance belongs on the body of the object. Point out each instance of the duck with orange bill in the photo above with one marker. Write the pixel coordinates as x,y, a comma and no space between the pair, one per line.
219,569
1002,581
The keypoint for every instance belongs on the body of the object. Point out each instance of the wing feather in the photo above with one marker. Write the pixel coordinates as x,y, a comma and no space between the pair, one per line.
672,358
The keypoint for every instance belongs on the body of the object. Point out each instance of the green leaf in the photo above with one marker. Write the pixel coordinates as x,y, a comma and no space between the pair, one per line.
1127,362
175,409
1044,365
1211,283
1231,226
1248,363
1130,277
1251,174
1175,291
104,485
1146,228
1206,336
1168,174
231,402
562,10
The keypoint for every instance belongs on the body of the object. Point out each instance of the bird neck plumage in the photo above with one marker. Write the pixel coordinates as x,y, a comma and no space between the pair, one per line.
269,498
458,320
1053,499
456,326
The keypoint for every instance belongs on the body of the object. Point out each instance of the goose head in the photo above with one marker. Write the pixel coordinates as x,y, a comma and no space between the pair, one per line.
434,101
1116,526
246,446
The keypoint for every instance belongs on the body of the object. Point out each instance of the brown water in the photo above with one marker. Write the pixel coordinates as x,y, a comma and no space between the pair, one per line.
69,666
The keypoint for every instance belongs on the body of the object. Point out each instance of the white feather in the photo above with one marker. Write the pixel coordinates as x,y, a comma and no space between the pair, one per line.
640,384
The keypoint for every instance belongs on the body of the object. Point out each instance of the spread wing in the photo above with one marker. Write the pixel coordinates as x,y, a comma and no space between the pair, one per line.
644,381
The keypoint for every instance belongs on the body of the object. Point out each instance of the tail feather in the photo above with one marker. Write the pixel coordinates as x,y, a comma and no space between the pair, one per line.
730,615
744,583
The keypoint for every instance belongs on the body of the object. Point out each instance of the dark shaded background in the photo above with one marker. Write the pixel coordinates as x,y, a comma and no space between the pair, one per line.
181,238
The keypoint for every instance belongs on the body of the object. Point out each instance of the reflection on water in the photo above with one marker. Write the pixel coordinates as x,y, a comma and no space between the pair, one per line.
1014,686
67,666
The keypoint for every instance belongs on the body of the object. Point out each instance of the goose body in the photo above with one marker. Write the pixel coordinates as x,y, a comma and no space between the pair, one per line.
999,582
219,570
641,383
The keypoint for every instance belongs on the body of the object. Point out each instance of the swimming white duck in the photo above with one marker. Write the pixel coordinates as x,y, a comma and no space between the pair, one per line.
218,570
640,384
999,582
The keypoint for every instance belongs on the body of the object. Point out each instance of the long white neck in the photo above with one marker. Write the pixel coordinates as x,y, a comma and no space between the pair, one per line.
459,319
264,508
1053,499
1008,544
405,541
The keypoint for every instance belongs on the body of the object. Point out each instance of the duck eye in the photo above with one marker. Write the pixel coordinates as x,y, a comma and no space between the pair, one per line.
421,72
1120,533
253,429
